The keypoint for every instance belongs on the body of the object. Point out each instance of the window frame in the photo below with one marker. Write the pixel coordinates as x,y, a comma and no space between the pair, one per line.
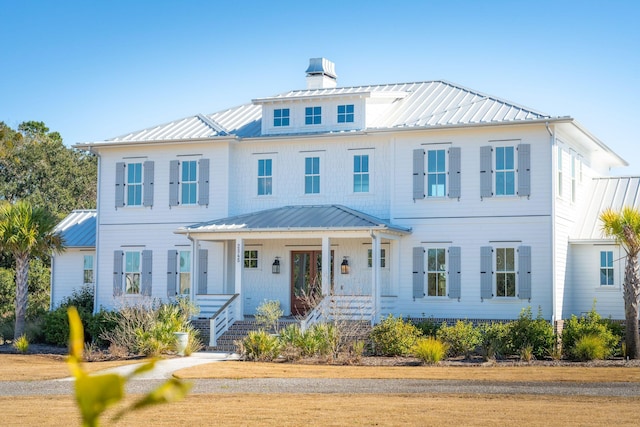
313,175
265,181
184,272
360,174
383,258
131,274
281,117
608,269
347,115
439,273
505,171
134,184
437,173
251,259
505,272
190,197
86,270
313,115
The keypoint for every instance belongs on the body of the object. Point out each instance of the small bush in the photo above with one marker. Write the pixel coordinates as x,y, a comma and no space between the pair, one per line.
21,344
526,353
429,350
589,325
394,337
428,327
494,340
260,346
590,347
461,338
268,313
529,332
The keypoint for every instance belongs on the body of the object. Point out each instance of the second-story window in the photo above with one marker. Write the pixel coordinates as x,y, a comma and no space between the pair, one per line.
436,173
312,175
313,115
505,171
264,177
345,113
134,184
361,174
281,117
189,182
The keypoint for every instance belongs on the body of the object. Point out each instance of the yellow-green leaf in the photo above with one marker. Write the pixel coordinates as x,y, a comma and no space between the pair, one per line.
76,334
96,393
170,391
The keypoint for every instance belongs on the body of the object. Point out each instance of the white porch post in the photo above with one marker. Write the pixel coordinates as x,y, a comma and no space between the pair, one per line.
375,276
326,265
238,275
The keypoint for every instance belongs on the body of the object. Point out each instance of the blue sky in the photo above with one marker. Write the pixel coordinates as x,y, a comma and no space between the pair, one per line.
92,70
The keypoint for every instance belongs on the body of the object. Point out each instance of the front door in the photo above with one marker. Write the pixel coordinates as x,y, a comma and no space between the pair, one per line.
306,280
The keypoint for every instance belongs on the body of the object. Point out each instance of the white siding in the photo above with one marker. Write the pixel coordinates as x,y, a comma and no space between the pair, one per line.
67,273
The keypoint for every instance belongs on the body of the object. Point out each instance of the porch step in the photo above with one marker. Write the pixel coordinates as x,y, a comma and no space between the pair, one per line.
239,330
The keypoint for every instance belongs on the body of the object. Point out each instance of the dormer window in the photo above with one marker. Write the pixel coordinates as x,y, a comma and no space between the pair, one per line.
313,115
345,113
281,117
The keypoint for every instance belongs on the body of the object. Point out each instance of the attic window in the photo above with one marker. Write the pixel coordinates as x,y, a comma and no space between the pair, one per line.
345,113
313,115
281,117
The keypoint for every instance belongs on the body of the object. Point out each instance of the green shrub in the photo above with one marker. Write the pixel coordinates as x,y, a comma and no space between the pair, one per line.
260,346
268,313
529,332
461,338
428,327
21,344
394,337
429,350
590,324
494,340
590,347
55,326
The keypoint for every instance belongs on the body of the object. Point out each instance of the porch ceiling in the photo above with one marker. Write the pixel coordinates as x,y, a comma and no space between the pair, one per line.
297,219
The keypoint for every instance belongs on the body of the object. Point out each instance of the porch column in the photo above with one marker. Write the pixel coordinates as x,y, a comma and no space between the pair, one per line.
238,275
326,265
375,276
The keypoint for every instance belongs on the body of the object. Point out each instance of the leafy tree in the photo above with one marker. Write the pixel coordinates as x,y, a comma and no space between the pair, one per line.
624,226
36,166
26,232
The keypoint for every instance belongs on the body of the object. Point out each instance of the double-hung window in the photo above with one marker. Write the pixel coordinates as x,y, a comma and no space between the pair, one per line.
606,268
345,113
251,259
505,272
505,171
134,184
383,258
281,117
436,173
184,272
189,182
436,272
312,175
132,272
313,115
361,173
88,270
264,177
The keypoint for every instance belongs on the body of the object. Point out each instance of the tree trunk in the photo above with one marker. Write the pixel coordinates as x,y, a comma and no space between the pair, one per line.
631,293
22,274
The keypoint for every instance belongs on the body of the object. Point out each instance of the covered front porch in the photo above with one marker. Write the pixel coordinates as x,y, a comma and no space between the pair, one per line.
317,261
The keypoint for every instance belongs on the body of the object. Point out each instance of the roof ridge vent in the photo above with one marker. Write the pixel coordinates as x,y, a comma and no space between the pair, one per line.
321,74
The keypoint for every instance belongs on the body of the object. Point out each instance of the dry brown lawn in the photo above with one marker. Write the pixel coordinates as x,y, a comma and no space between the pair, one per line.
345,410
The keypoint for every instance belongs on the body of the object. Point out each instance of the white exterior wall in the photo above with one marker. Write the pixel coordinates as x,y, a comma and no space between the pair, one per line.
67,273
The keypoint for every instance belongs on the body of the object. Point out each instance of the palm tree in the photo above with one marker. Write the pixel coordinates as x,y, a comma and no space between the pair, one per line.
26,232
624,226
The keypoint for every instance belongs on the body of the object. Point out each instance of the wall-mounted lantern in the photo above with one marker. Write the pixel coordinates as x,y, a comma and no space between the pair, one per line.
344,267
275,267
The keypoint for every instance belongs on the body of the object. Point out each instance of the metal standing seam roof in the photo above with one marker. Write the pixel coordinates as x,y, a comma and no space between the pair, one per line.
420,104
610,192
297,218
78,229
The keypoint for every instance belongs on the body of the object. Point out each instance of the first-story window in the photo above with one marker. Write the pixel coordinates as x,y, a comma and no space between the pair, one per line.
436,272
383,258
184,272
189,182
88,269
132,272
251,259
264,177
606,268
505,272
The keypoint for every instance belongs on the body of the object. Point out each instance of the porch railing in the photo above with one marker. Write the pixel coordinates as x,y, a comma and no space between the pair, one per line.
340,307
224,309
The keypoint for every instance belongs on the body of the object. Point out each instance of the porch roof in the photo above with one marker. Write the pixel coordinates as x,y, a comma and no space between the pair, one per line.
297,218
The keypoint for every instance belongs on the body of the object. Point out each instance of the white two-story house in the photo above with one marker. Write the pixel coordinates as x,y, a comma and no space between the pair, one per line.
422,199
